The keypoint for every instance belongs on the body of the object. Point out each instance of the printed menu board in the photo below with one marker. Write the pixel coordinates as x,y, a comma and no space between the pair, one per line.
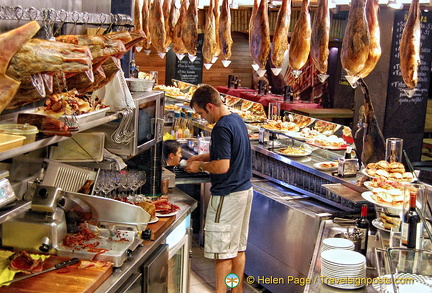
404,116
185,70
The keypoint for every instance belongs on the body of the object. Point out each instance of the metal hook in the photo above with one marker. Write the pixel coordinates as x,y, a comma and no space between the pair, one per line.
86,18
19,12
33,13
49,16
75,18
110,25
62,19
102,21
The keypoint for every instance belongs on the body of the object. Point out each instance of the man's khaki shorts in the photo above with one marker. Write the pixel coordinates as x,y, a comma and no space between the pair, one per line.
227,224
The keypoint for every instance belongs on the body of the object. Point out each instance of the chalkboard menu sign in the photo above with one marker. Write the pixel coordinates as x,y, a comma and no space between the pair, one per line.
404,116
185,70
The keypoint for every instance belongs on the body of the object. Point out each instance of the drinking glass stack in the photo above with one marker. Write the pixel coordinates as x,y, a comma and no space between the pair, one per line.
337,243
344,269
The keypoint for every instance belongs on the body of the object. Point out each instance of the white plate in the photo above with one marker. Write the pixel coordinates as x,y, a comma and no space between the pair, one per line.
154,220
368,184
295,134
166,215
379,225
307,153
342,257
338,242
368,196
320,167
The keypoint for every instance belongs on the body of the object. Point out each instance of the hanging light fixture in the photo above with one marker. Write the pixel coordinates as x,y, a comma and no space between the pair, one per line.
395,4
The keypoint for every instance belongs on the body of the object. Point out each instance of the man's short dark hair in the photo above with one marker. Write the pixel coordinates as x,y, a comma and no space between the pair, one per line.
205,94
170,147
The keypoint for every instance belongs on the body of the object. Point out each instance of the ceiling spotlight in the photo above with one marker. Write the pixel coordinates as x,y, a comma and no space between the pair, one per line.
395,4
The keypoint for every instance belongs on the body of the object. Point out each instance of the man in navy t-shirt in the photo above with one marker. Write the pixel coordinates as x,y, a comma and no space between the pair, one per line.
229,163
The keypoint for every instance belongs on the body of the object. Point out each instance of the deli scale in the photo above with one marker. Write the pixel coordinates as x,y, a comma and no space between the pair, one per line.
55,213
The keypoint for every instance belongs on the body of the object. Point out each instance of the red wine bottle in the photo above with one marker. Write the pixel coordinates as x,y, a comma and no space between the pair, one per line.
411,228
362,225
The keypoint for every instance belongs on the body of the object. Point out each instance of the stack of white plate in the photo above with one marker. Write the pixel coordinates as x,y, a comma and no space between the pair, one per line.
343,269
337,243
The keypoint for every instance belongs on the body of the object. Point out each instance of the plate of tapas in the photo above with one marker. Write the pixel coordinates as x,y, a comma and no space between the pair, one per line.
379,225
294,151
392,199
160,215
326,166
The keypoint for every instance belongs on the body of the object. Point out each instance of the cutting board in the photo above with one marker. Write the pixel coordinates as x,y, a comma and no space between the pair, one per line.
160,226
70,279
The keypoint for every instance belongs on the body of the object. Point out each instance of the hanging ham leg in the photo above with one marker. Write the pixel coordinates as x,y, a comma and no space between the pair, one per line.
372,8
356,42
301,38
11,42
172,19
320,37
280,35
157,27
189,33
209,42
166,8
410,46
145,13
178,45
137,17
225,30
259,34
216,12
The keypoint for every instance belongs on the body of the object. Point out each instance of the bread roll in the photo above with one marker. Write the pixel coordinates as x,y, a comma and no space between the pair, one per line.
396,167
382,165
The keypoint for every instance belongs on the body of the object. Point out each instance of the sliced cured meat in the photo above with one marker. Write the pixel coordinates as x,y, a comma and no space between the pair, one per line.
301,38
157,26
189,29
410,46
209,42
372,8
225,40
280,35
259,34
356,42
23,262
320,37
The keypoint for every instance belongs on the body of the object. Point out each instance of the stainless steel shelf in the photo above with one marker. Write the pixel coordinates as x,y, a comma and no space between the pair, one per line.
40,143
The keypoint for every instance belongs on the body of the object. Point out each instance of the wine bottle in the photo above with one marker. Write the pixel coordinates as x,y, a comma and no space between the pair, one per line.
411,227
362,225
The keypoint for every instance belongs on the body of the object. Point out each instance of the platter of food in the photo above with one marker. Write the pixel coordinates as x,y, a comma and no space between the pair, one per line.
294,151
295,134
379,225
253,136
392,199
391,171
281,126
166,215
383,183
331,142
326,166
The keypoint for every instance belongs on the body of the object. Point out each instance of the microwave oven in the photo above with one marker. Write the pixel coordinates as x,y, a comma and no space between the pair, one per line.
145,129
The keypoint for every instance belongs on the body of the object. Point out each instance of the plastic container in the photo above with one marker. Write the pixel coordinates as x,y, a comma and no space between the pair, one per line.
10,141
29,131
140,85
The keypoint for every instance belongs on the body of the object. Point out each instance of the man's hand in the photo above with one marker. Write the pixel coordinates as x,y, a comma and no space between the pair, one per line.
193,166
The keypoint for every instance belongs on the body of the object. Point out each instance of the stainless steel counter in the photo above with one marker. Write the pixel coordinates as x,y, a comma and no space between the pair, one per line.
131,266
330,229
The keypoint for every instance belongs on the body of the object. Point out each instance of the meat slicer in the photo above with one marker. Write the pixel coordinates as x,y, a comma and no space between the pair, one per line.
54,214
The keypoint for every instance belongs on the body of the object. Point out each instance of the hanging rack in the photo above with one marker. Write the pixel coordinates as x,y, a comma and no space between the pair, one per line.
61,16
